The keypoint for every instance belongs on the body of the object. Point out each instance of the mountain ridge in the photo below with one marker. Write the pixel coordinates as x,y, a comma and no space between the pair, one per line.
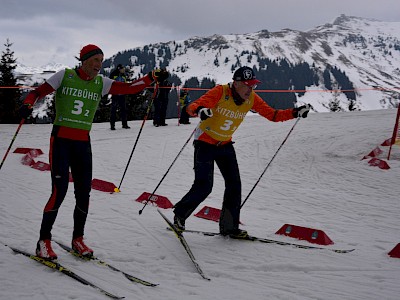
367,51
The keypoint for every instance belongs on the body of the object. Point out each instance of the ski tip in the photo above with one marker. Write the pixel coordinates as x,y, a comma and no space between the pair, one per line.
62,245
12,248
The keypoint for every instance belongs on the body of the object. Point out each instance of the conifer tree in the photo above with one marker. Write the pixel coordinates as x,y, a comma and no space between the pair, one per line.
327,78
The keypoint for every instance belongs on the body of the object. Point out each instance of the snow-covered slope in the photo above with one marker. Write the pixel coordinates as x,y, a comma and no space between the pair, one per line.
316,180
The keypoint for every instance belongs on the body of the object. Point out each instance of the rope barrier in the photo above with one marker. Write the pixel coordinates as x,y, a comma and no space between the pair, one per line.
382,89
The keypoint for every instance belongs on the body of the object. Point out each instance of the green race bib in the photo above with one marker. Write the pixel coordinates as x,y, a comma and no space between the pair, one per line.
77,100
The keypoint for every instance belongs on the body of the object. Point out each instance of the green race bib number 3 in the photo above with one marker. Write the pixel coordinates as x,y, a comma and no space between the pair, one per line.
78,105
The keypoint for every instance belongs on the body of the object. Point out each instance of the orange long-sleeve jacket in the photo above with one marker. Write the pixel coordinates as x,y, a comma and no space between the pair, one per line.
220,99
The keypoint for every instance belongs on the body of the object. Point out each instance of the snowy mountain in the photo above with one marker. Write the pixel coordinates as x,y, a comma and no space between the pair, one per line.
366,51
28,75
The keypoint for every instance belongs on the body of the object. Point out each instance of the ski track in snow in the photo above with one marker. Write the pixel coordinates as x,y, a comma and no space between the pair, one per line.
316,180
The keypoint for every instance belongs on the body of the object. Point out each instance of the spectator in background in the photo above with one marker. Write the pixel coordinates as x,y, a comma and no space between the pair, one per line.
184,101
118,100
161,103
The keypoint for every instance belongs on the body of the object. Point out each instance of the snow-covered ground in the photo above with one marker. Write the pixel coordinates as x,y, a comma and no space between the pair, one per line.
317,180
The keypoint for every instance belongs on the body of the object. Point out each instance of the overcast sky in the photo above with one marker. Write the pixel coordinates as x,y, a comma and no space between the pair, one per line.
45,31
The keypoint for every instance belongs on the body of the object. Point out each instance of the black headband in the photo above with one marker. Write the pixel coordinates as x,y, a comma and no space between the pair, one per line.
91,53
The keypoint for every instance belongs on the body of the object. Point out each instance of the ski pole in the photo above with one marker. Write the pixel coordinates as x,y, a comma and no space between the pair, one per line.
12,142
152,194
178,104
395,132
290,131
117,190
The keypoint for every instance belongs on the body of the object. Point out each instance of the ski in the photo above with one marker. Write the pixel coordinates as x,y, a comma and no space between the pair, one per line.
103,263
270,241
184,244
57,266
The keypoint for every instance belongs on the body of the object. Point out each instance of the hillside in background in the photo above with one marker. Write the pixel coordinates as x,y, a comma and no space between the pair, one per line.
351,63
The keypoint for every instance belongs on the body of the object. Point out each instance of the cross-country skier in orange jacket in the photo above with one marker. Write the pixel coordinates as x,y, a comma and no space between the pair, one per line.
222,110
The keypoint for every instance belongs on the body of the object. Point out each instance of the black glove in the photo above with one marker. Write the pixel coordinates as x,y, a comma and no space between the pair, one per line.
158,75
25,111
301,111
204,113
